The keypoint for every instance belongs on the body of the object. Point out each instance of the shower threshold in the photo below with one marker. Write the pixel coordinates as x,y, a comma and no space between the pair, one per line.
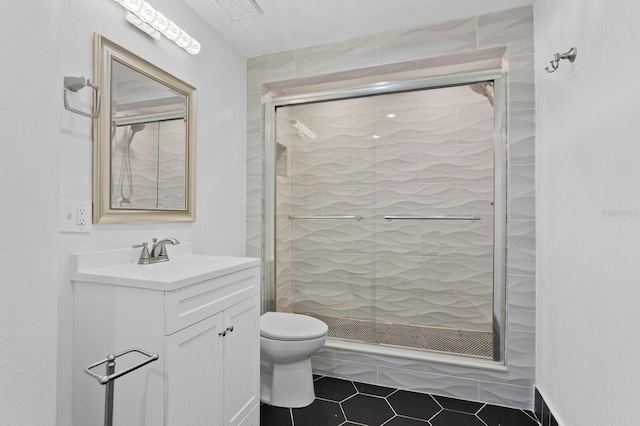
459,342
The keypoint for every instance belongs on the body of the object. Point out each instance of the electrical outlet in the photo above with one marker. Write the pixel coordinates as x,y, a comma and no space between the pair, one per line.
81,217
75,216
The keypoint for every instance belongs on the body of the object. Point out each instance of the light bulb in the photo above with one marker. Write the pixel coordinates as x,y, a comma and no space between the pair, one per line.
160,22
183,39
146,12
131,5
135,20
172,32
194,47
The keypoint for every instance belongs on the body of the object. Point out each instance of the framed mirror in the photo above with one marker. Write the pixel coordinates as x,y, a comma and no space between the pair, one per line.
144,141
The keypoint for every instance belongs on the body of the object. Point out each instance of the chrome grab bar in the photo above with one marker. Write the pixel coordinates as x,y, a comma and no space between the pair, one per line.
355,217
390,218
109,378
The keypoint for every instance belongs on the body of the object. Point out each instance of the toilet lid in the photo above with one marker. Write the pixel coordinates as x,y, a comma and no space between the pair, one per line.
286,326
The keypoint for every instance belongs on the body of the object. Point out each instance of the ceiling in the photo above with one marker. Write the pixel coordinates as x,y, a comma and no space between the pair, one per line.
293,24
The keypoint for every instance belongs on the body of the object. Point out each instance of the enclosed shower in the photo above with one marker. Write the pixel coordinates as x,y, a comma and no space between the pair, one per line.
389,216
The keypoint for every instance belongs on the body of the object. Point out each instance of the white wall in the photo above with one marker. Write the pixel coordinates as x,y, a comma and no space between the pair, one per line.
587,161
28,186
47,155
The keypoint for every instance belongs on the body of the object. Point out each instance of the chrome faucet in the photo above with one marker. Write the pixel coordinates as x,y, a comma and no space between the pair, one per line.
158,251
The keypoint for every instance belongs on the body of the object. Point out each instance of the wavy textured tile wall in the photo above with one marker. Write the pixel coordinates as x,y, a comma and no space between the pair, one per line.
385,180
427,40
157,165
415,129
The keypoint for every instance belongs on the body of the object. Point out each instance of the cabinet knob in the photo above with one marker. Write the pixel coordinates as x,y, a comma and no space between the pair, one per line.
222,333
230,329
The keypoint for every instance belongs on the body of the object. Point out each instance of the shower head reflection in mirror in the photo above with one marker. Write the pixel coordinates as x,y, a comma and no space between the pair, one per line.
125,168
482,88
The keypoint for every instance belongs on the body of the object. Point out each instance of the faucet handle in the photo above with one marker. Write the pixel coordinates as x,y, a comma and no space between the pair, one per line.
144,255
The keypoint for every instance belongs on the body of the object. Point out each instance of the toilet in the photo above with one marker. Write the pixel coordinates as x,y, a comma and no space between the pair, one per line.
287,342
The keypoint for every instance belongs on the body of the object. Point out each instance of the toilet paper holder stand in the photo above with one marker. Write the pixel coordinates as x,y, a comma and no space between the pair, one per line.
111,375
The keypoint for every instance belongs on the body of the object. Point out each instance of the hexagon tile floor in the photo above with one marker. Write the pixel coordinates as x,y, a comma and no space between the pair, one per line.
342,402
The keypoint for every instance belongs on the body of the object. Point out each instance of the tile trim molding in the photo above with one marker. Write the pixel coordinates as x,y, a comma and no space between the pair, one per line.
543,412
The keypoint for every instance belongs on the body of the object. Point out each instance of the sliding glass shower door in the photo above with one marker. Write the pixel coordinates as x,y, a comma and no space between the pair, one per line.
327,204
385,217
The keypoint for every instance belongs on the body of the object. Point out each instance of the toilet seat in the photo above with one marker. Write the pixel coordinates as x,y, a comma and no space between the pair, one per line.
287,326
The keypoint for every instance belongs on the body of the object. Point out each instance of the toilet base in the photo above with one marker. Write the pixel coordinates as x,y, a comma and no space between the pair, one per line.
287,385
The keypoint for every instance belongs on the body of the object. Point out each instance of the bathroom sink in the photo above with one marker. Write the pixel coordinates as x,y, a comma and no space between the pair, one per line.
120,267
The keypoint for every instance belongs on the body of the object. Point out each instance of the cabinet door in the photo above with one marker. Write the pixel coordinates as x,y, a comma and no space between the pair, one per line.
241,360
194,368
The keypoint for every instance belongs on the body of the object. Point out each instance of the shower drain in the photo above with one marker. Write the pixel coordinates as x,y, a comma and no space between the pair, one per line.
461,342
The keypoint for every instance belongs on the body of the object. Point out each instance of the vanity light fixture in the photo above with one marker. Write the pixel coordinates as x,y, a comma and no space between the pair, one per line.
144,17
143,26
303,130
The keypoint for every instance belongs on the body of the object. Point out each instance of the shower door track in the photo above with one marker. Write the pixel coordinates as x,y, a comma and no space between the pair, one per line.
498,361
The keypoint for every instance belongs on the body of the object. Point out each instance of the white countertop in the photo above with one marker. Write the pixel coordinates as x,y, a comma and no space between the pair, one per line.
120,267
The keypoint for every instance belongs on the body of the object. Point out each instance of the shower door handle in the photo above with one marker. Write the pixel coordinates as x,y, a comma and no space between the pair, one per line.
473,218
357,217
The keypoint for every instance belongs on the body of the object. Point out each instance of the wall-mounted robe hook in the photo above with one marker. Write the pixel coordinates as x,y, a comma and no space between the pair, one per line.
76,83
570,55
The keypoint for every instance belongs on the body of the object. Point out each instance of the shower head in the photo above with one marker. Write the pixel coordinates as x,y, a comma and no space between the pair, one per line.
482,89
137,127
133,129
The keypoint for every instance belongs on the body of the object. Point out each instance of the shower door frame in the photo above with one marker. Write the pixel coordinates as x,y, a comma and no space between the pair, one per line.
499,329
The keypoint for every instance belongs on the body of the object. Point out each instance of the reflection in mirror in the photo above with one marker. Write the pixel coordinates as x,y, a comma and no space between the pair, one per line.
148,152
143,161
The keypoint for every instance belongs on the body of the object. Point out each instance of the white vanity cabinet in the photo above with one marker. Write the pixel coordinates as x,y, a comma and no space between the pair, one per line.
222,386
202,321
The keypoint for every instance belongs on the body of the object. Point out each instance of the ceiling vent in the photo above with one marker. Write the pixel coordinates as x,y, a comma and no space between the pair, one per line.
240,9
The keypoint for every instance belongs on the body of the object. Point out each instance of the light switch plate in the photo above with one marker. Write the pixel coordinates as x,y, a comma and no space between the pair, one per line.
75,216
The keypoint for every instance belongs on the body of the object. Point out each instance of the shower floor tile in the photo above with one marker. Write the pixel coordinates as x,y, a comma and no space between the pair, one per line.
371,405
461,342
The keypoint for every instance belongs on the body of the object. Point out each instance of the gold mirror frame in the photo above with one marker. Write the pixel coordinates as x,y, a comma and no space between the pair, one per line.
104,51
